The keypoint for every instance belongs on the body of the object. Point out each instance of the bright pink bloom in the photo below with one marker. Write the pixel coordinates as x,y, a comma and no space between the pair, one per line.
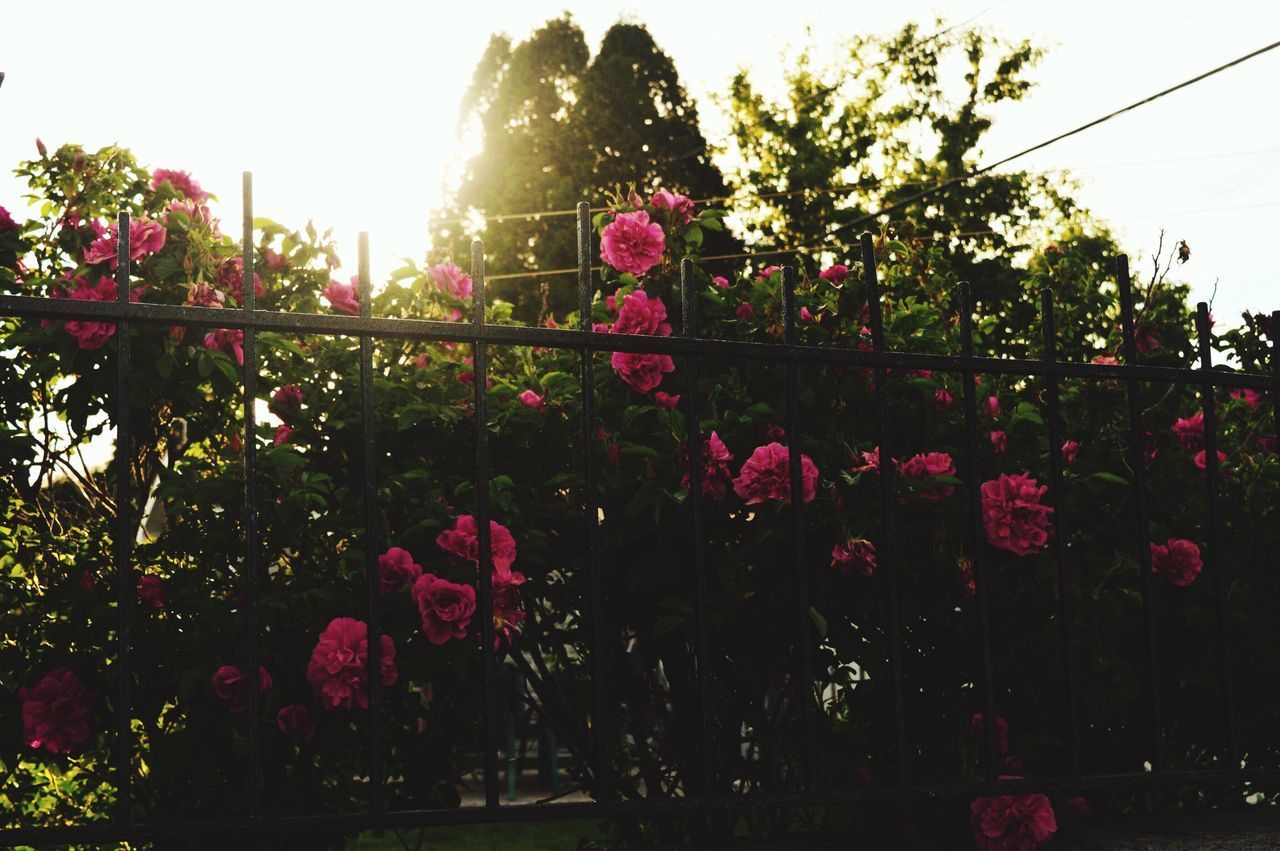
55,712
396,569
1069,450
1014,518
870,462
338,669
721,282
1177,560
1105,360
992,408
284,433
1252,398
767,272
151,591
286,402
6,221
642,371
230,277
232,687
767,475
805,315
679,206
145,237
745,312
229,340
598,327
923,468
942,400
857,555
275,261
463,542
343,296
1201,460
835,274
181,181
295,722
1000,441
999,730
640,314
611,302
446,607
631,243
1190,431
532,400
1011,822
88,333
715,468
666,401
450,280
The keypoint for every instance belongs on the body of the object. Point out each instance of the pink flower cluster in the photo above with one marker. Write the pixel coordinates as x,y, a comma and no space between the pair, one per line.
855,556
715,468
767,475
640,314
463,541
1190,432
922,469
1013,516
88,333
447,278
145,237
631,243
56,711
181,181
338,668
679,208
446,607
1177,560
229,340
344,297
231,686
396,569
1012,822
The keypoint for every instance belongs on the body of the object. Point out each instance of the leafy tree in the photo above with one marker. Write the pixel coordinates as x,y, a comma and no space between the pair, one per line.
558,127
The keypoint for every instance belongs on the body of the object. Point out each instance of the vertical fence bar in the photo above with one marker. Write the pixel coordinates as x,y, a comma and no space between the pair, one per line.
249,391
1137,461
797,513
374,634
885,556
972,474
1060,534
1204,333
124,535
689,327
603,790
480,369
1275,372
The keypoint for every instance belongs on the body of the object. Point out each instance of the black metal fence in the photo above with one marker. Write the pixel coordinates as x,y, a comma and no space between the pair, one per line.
692,348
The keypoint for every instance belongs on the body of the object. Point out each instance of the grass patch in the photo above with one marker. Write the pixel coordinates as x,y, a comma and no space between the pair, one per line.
530,836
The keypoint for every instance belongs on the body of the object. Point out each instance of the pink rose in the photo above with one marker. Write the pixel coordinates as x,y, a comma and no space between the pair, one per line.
507,614
942,400
992,407
230,277
422,361
640,314
1000,441
295,722
1201,460
151,591
1190,431
666,401
835,274
88,333
767,475
679,207
6,221
745,312
805,315
55,712
338,668
232,687
286,402
999,731
631,243
857,555
200,294
181,182
274,261
1177,560
532,400
767,272
284,433
1252,398
229,340
463,542
1069,450
343,296
1011,822
446,607
1105,360
923,468
1013,516
721,282
643,372
145,237
450,280
867,462
715,468
396,569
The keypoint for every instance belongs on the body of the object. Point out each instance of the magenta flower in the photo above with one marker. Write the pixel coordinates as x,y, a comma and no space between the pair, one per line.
284,434
1201,460
145,237
229,340
767,272
532,400
232,687
835,274
643,372
1190,431
857,555
1013,516
507,614
1069,450
942,400
745,312
923,468
181,181
55,712
767,475
463,542
6,221
88,333
295,722
992,407
200,294
640,314
151,591
230,277
343,296
666,401
721,282
1252,398
715,468
1011,822
396,569
870,462
446,607
1000,441
632,244
1177,560
286,402
447,278
338,670
679,208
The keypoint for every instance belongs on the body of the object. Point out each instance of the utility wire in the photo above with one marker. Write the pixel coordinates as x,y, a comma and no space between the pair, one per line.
898,205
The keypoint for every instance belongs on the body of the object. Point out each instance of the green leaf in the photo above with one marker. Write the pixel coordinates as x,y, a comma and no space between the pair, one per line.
818,621
1111,477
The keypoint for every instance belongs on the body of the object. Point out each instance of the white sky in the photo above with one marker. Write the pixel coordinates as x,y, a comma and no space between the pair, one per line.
345,112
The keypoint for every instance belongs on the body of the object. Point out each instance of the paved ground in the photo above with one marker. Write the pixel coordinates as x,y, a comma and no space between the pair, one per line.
1199,832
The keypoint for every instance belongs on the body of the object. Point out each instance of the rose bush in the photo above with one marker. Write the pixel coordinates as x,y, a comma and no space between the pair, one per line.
185,464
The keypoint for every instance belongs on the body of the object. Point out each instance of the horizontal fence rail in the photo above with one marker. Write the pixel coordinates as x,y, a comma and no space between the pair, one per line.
693,348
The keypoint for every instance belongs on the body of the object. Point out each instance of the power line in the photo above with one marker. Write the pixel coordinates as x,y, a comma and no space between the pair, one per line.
898,205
